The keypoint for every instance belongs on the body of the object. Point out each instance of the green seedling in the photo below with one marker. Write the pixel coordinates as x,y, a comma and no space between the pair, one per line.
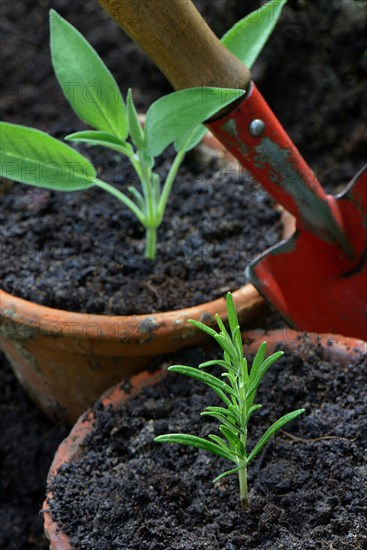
33,157
238,394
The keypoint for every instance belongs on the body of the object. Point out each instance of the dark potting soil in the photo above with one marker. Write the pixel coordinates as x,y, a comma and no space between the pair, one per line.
319,94
28,441
307,488
84,251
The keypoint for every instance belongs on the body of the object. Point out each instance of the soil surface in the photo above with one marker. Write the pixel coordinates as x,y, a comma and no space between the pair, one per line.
28,441
85,251
307,488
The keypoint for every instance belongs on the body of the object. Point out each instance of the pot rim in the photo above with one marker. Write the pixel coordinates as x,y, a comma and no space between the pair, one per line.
335,346
53,321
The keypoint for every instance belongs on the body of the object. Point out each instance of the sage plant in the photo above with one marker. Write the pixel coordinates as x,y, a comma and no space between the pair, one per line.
33,157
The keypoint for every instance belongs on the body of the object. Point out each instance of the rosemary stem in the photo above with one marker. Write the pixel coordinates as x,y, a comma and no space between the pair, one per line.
242,476
150,242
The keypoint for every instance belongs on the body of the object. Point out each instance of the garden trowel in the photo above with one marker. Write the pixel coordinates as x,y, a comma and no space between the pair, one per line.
316,279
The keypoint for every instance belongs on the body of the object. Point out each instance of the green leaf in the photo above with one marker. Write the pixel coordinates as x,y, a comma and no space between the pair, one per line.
85,80
208,330
33,157
271,431
221,410
225,344
221,418
194,441
231,311
191,138
223,396
139,199
232,378
235,412
219,441
258,361
229,472
219,362
251,411
135,128
247,37
260,375
204,377
221,326
175,114
96,137
269,361
148,160
234,441
156,188
237,340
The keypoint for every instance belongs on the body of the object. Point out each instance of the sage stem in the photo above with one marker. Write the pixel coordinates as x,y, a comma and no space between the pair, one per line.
168,183
122,197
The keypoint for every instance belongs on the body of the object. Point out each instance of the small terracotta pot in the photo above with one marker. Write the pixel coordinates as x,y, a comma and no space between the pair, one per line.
335,347
65,360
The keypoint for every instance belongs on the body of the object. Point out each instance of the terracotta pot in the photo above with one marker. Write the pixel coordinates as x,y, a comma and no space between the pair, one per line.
335,347
65,360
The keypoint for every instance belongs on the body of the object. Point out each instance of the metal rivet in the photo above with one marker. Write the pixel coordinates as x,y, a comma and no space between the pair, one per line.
257,127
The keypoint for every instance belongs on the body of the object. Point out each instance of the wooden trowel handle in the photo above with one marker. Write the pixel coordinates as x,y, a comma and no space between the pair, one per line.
178,40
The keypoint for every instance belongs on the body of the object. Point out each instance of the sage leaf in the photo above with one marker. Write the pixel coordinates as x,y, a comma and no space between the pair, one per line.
247,38
191,138
179,112
33,157
85,80
97,137
135,129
